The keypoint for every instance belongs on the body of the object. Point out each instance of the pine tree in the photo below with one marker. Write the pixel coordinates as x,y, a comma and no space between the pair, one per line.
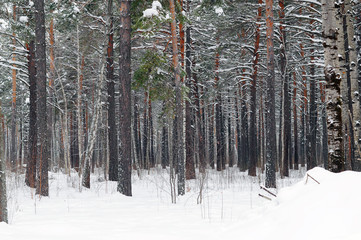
125,158
42,126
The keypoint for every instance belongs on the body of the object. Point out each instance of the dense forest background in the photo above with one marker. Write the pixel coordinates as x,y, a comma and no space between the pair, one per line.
185,85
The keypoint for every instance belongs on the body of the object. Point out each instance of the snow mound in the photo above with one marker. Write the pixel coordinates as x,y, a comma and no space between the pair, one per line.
330,209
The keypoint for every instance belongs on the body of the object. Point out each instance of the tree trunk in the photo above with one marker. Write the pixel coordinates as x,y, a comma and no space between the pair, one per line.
330,29
3,196
270,103
112,128
13,159
179,103
125,160
43,135
295,125
253,100
286,96
31,165
51,110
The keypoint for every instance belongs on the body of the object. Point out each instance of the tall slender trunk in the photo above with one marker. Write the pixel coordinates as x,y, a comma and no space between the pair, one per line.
80,129
151,135
245,151
145,133
179,102
125,160
230,134
211,135
218,115
270,103
253,101
313,118
165,146
286,96
51,94
295,125
190,113
305,117
112,128
31,165
238,133
137,140
43,135
13,158
3,195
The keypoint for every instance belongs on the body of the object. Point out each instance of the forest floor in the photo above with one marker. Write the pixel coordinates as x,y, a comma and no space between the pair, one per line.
231,208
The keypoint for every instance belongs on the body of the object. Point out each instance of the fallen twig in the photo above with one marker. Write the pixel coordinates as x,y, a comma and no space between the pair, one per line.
268,191
308,175
264,197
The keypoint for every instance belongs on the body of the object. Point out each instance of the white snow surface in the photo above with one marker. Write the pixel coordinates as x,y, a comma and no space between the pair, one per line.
23,19
150,12
231,208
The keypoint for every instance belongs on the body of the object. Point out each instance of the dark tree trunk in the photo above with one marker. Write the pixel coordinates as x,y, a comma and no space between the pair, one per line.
287,128
245,151
125,160
313,119
270,103
253,101
219,139
286,96
31,165
136,130
3,195
43,135
238,131
145,134
165,146
151,135
211,135
112,128
200,125
179,103
190,126
230,135
190,169
295,125
74,147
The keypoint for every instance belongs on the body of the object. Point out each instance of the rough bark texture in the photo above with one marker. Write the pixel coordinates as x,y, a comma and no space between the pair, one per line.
179,103
3,196
270,103
357,68
124,183
13,160
333,88
31,164
190,113
313,117
352,82
245,151
112,128
295,125
136,132
125,160
286,96
253,101
42,187
165,147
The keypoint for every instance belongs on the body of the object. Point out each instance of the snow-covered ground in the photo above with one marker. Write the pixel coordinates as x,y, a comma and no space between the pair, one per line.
230,208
